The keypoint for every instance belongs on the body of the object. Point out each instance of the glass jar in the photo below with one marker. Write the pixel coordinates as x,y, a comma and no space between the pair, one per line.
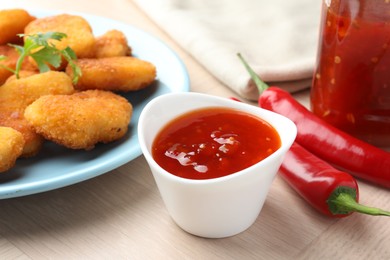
351,83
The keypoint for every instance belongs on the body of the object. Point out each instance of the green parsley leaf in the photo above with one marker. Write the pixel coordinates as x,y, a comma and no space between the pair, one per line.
70,57
46,56
2,57
44,53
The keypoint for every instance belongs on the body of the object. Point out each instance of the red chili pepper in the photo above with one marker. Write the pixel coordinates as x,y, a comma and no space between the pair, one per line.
338,148
330,191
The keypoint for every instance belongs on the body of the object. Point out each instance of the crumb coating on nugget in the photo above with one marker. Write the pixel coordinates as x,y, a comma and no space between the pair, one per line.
112,44
16,95
79,32
114,74
81,120
32,141
11,147
13,22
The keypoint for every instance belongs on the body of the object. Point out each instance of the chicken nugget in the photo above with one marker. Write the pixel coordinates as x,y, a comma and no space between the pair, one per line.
32,142
17,94
79,32
80,120
11,147
22,74
10,61
112,44
114,74
13,22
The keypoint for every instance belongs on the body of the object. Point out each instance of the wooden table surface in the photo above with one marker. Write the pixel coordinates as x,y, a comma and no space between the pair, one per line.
120,214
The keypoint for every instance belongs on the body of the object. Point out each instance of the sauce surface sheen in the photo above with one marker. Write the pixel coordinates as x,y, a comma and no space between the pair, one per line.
213,142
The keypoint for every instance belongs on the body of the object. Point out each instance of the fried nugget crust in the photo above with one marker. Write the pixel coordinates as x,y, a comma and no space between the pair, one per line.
112,44
13,22
79,32
80,120
32,142
22,74
17,94
12,143
114,74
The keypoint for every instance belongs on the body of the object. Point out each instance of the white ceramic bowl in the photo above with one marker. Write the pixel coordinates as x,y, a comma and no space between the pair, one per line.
219,207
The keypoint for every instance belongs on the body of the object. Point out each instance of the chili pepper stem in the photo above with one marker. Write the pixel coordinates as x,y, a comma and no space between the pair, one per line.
261,85
344,201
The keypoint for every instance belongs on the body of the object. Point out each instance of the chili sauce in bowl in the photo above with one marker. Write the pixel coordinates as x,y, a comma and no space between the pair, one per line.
213,159
213,142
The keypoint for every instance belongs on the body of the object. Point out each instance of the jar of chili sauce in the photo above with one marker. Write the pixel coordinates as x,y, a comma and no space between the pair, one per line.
351,83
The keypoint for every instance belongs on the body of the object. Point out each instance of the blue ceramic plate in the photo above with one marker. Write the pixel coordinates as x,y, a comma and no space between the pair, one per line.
56,166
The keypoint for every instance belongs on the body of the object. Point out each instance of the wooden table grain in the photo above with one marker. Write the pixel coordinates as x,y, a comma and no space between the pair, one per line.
120,214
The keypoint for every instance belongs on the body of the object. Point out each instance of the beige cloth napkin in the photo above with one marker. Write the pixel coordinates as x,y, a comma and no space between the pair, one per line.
278,38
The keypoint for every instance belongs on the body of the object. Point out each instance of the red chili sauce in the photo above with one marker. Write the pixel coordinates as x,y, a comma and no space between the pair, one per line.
351,87
213,142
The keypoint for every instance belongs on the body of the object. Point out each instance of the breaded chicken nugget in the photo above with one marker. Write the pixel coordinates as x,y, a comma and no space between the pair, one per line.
11,147
12,57
22,74
81,120
112,44
32,142
13,22
114,74
17,94
79,32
